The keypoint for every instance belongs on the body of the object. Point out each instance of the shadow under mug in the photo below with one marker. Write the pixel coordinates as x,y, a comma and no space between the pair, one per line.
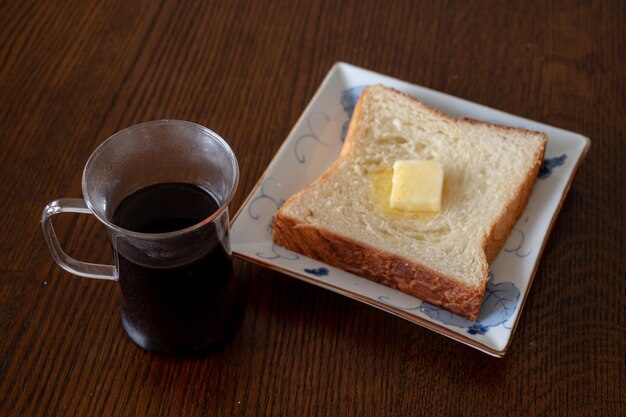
179,293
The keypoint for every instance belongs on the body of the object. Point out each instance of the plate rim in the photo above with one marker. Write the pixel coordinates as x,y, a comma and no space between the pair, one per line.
430,325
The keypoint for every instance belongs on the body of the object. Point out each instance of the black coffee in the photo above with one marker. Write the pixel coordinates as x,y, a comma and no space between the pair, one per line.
179,295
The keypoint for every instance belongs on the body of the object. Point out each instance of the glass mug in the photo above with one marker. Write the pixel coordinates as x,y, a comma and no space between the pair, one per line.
162,190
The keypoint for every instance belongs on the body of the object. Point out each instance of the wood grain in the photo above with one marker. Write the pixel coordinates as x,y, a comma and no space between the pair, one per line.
74,72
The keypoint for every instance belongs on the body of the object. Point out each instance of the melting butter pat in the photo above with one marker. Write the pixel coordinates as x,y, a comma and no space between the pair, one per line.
416,185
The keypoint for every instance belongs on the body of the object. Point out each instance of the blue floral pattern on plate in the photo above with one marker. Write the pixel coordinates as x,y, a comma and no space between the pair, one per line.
517,246
499,304
549,164
348,100
310,134
264,196
318,272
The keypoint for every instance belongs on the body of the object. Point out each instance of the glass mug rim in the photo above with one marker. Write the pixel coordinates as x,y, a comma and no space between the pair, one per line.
156,236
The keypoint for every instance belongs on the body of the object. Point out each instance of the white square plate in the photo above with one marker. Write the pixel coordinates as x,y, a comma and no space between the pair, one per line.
315,142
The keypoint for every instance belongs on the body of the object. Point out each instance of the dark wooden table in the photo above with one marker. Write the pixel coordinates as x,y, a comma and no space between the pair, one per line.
74,72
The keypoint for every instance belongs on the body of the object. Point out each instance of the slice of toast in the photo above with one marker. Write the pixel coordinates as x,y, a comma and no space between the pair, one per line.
344,218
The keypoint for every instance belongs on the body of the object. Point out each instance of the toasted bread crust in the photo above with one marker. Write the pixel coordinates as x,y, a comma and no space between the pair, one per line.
377,265
390,269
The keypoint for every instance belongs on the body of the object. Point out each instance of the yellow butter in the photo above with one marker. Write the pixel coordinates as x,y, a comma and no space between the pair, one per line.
380,182
416,185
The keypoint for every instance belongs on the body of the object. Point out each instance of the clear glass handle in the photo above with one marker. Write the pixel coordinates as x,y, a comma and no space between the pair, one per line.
83,269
